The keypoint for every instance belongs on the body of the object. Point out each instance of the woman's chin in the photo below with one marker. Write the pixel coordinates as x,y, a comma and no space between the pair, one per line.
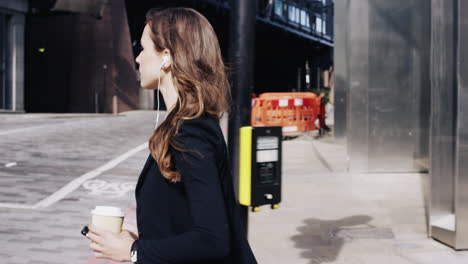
147,86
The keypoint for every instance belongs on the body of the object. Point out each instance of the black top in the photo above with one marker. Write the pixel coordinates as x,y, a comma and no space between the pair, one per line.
196,220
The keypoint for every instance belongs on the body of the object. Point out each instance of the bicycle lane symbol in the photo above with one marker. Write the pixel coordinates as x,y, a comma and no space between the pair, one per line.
108,189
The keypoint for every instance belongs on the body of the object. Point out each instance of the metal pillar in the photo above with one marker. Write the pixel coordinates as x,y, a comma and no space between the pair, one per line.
449,124
341,67
387,107
242,66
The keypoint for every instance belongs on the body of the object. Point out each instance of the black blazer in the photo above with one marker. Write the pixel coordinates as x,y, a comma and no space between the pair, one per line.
196,220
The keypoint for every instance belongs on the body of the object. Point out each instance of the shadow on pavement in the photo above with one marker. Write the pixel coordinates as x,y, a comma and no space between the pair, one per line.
322,240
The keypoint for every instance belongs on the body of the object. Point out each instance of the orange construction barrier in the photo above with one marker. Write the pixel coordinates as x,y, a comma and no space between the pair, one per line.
295,112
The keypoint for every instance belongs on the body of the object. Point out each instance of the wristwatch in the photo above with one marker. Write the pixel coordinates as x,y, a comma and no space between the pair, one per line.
133,252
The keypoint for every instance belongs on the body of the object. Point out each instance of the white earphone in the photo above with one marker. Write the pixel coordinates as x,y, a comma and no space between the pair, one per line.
165,61
163,64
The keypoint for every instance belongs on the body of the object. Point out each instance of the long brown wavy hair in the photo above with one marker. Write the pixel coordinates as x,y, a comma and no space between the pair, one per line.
198,73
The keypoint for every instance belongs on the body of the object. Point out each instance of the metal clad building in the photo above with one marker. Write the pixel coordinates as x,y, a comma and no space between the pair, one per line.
383,83
12,26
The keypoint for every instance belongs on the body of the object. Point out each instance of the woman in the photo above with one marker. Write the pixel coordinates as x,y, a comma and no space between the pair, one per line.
186,208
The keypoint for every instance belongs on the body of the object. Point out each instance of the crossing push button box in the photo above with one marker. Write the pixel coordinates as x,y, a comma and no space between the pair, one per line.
260,166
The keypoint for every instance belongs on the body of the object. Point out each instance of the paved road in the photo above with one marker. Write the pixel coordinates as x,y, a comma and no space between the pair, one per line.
327,215
50,151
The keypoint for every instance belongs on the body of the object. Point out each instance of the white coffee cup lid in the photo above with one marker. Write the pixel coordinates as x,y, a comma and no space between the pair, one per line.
108,211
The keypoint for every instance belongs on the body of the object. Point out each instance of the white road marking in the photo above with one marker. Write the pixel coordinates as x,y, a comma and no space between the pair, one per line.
76,183
16,206
10,164
109,189
19,130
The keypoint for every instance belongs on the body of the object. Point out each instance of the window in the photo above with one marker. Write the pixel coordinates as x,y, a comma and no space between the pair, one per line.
297,12
296,15
319,25
279,8
304,18
292,13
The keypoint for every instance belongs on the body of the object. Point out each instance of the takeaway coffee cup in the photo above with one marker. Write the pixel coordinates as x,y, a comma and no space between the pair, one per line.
108,218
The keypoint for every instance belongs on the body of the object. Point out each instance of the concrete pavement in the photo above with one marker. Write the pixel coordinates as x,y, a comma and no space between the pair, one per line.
331,216
327,215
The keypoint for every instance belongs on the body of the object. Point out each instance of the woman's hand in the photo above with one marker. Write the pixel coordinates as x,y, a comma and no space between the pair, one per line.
109,245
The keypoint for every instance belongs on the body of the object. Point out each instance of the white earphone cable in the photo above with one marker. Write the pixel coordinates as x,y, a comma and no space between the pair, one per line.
159,84
165,60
